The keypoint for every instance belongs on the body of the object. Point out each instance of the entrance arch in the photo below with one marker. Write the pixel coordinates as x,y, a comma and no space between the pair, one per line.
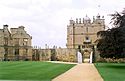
86,53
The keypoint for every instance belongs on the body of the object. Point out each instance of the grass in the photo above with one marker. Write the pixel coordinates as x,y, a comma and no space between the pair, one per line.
111,71
43,71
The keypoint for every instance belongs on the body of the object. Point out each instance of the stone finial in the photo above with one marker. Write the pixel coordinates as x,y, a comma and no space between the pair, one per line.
83,20
76,20
98,16
87,18
71,21
79,20
102,16
45,46
21,27
93,18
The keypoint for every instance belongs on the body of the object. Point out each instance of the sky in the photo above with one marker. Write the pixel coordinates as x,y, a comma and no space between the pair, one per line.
46,20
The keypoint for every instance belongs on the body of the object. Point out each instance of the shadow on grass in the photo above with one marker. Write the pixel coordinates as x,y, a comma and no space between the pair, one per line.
112,65
117,67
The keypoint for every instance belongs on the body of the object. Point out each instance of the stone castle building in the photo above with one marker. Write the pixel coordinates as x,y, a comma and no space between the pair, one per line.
82,34
15,44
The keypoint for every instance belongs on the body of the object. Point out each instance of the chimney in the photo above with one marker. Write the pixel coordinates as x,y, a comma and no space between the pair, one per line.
76,20
5,25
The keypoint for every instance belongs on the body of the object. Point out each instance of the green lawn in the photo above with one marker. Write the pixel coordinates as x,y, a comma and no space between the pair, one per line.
43,71
111,71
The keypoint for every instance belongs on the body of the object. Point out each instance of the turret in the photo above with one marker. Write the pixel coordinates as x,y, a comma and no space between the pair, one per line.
99,19
87,20
5,26
71,21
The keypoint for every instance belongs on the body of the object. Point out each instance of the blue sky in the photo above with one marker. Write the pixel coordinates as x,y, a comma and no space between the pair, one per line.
47,20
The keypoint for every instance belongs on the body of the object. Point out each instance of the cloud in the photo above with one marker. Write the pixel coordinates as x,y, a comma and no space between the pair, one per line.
47,20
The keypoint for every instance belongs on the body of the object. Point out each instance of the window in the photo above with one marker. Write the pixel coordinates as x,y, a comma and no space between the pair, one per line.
83,46
16,41
25,40
79,47
87,38
6,41
16,51
24,43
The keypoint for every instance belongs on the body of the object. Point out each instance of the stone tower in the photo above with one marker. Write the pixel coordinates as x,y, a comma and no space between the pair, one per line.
82,33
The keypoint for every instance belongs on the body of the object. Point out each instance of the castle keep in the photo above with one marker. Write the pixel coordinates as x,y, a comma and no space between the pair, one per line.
82,34
84,31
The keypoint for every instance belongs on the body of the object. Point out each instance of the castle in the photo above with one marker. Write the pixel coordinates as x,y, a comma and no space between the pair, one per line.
15,44
83,32
81,36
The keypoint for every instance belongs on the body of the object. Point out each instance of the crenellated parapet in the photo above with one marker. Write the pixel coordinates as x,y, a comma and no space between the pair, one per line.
82,31
86,20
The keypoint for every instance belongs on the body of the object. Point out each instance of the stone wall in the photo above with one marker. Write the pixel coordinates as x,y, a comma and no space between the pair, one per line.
60,54
67,55
41,54
45,54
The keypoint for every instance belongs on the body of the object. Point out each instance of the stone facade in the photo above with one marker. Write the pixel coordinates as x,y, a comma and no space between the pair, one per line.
41,54
66,54
55,54
82,34
84,31
15,44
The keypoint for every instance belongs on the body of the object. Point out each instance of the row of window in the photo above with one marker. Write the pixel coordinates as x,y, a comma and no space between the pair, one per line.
16,41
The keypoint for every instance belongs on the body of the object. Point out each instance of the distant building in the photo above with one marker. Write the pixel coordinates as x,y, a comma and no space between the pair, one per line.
15,44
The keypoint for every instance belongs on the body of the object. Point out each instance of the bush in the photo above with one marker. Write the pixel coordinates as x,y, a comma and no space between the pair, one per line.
112,60
121,60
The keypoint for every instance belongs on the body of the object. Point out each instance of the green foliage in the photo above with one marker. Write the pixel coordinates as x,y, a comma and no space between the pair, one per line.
112,42
43,71
111,71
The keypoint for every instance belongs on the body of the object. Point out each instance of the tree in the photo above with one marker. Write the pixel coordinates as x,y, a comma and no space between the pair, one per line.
112,42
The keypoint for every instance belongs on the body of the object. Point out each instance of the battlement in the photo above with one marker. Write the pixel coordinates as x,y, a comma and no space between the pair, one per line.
82,32
86,20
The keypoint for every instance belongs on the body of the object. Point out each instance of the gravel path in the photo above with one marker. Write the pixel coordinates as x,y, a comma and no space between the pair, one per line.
80,72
